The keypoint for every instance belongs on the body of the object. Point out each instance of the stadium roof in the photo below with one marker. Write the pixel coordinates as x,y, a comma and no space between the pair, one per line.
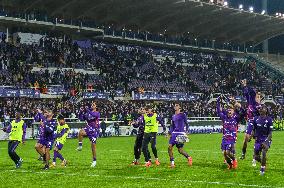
198,20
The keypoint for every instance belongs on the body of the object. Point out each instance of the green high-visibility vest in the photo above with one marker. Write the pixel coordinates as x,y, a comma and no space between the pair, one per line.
17,131
62,139
151,123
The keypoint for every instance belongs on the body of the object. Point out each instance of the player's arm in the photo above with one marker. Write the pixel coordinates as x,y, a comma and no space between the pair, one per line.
81,115
24,133
219,109
39,116
186,124
241,114
138,122
249,93
8,128
63,131
253,124
49,129
269,137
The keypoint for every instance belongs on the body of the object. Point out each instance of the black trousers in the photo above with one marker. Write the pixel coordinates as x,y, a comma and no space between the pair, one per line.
12,145
149,138
138,145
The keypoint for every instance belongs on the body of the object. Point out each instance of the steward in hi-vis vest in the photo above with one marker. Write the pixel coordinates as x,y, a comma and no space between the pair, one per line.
17,133
151,122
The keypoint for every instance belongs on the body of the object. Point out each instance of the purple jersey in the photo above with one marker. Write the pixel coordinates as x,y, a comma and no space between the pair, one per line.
252,110
49,129
91,117
140,124
179,123
230,124
262,127
38,118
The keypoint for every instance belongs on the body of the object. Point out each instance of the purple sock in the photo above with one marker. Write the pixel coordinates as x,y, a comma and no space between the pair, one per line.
60,156
55,155
80,144
94,159
172,159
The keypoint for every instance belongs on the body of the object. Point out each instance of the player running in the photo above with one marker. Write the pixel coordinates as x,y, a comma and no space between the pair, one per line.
262,132
230,120
151,122
60,136
39,117
47,129
253,104
139,137
178,130
92,129
17,130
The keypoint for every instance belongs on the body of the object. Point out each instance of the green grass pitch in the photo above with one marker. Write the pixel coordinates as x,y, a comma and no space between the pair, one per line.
116,153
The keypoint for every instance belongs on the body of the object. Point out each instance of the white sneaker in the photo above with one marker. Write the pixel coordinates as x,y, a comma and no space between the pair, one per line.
253,163
79,148
94,163
262,173
53,165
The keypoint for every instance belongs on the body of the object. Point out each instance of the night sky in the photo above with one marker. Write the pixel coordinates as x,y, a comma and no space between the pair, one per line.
276,45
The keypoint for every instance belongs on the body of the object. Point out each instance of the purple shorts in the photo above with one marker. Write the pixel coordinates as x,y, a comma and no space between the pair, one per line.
41,141
92,134
258,147
49,144
249,129
58,145
228,145
173,141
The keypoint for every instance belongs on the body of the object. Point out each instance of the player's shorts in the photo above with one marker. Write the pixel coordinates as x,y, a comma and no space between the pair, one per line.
173,140
92,134
228,145
58,145
49,144
258,147
249,129
41,141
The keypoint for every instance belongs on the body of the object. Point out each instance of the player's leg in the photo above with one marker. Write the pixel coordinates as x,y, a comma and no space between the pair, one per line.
256,155
40,150
263,159
12,145
231,155
94,152
93,138
228,159
81,135
137,149
47,147
246,140
171,155
245,144
47,158
146,153
153,140
184,153
56,154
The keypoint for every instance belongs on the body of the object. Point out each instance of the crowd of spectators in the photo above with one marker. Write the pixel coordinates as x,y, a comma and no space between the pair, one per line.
126,68
118,110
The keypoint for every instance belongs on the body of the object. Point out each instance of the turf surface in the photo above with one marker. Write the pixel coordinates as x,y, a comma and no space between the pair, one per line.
113,170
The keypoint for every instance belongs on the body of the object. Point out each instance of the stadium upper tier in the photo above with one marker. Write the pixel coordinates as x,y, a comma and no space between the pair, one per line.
107,67
168,17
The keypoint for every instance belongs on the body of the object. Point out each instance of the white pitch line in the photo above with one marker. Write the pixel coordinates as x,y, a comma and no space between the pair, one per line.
148,178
